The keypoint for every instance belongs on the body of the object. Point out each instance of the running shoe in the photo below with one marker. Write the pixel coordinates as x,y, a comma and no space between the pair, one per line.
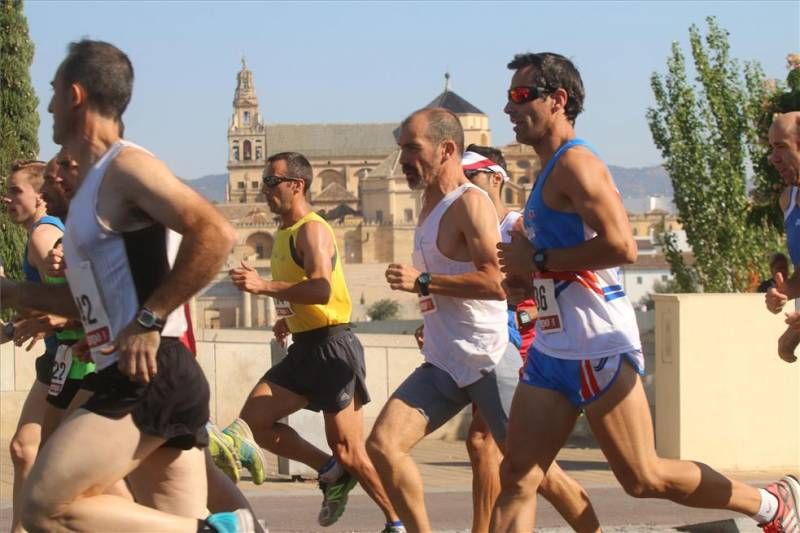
222,451
334,498
787,519
239,521
394,527
247,449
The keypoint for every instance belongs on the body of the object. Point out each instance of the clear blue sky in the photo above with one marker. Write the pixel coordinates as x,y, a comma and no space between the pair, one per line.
376,62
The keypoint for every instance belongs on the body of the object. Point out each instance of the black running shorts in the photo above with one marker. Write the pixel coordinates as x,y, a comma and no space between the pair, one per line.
173,406
44,368
326,366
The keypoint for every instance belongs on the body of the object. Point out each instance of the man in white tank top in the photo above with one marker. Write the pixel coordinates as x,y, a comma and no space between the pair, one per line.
151,399
469,359
575,193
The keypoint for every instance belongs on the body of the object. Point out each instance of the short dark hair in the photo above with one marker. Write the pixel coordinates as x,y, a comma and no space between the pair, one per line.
554,71
32,169
105,73
443,125
489,153
297,165
778,256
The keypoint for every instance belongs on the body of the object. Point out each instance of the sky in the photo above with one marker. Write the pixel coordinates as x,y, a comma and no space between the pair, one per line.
355,62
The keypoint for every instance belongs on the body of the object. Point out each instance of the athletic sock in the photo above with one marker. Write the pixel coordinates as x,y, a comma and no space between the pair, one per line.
331,471
204,527
768,508
395,523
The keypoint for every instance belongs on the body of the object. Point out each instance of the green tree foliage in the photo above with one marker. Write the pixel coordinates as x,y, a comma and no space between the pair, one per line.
19,121
385,309
707,131
779,98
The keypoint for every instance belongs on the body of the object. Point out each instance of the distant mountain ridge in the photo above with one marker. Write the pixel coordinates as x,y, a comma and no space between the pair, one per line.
631,182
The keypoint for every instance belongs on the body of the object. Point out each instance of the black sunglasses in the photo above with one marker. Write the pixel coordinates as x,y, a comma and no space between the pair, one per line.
470,174
274,181
523,94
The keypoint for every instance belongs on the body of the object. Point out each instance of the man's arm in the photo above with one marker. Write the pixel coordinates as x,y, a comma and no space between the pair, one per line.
147,183
476,217
27,296
586,183
316,249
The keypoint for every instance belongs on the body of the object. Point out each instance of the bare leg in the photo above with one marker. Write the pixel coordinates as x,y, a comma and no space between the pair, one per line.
345,432
25,445
64,489
539,424
183,492
267,404
398,429
621,422
485,457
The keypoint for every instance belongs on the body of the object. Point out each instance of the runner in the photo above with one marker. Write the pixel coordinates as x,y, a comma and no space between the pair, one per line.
151,403
26,207
784,140
468,357
324,368
587,354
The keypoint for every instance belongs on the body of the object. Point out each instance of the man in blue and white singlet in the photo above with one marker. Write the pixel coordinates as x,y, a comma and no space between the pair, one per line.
784,140
587,354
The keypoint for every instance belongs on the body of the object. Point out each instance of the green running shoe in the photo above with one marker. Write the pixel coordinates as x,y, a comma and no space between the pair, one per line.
334,498
222,451
247,449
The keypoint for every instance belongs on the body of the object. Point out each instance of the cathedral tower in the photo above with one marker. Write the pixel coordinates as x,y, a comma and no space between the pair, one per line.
247,142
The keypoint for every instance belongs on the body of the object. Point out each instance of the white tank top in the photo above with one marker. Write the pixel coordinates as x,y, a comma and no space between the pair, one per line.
111,274
507,225
464,337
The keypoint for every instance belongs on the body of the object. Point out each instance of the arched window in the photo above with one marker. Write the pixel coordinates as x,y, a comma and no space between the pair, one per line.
247,118
258,153
248,154
261,244
331,176
236,152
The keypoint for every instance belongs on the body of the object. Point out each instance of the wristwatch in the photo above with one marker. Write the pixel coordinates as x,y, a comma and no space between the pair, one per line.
540,260
423,281
148,320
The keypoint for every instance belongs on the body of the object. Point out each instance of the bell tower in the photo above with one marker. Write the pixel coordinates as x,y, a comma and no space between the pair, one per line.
247,142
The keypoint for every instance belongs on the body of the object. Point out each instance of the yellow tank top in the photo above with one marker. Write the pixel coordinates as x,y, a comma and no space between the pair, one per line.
286,266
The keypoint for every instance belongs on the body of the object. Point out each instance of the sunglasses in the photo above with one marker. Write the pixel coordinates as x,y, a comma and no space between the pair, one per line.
470,174
274,181
523,94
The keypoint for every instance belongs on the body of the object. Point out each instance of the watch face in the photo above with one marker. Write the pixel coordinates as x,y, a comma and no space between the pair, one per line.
425,278
146,319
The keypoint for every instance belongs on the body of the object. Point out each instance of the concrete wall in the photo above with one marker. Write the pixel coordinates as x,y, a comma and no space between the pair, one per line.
723,395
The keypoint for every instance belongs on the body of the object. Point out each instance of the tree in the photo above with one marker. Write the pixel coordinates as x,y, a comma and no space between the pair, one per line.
707,133
385,309
19,121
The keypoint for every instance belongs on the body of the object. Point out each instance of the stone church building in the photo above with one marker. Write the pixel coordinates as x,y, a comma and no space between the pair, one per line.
358,187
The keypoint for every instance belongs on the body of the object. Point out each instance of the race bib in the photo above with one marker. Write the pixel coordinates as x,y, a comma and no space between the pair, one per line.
427,304
61,367
92,311
283,308
544,293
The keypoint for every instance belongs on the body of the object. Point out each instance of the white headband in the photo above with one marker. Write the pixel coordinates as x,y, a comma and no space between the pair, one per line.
475,161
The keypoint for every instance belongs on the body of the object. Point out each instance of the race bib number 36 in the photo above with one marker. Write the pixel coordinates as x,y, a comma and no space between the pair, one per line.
544,292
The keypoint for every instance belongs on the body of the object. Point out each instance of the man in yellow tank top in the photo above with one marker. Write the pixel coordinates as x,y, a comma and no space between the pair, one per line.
324,369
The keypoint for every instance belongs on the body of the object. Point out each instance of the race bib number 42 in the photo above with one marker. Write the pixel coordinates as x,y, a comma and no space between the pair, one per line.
544,292
93,312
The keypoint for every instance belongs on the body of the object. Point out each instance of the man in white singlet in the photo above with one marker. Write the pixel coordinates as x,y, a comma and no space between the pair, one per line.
151,398
468,357
587,354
